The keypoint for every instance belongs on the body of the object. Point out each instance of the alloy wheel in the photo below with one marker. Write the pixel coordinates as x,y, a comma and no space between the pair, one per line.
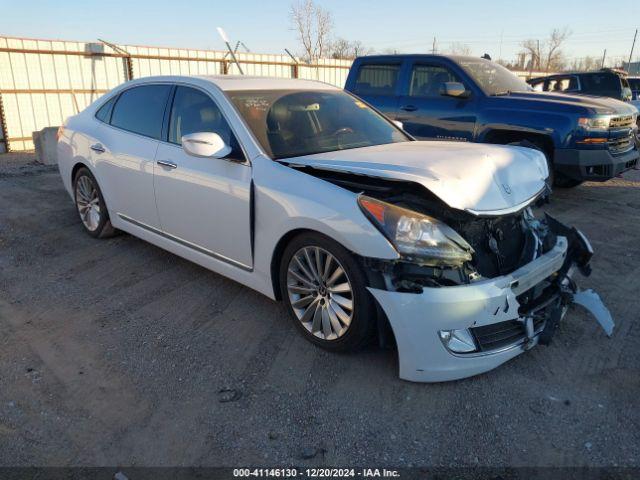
320,292
88,203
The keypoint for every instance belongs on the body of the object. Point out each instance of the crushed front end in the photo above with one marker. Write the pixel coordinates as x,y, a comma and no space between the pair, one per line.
458,316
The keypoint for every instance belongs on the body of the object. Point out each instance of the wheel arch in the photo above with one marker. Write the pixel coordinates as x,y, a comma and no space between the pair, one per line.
77,166
505,136
278,251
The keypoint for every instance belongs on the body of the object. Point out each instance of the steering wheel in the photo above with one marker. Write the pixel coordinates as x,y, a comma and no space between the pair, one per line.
342,130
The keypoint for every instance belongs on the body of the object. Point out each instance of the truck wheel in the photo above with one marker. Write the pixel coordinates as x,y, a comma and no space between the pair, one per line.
325,292
566,182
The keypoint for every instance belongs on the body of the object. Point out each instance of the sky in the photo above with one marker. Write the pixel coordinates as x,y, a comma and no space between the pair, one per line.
496,27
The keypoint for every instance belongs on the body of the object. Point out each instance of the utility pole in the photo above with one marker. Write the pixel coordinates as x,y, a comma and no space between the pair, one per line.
539,55
433,49
604,55
631,53
500,52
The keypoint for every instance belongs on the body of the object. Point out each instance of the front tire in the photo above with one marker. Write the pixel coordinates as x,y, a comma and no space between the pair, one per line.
566,182
324,290
91,206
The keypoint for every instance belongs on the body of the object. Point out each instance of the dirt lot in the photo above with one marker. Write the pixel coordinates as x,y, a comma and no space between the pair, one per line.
117,353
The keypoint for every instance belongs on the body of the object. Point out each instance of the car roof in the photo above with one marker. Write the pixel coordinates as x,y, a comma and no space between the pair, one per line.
242,82
591,72
401,56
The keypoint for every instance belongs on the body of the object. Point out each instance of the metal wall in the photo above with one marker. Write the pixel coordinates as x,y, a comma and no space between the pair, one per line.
44,81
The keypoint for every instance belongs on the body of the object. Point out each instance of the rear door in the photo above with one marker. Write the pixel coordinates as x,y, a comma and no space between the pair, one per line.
379,85
126,149
427,114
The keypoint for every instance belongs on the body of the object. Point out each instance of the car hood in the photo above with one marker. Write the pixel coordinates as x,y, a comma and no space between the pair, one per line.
598,105
481,179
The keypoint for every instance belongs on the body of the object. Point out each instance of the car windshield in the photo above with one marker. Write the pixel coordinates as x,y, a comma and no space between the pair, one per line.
494,79
291,123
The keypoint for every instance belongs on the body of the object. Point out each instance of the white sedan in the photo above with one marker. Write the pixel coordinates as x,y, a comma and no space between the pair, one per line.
304,193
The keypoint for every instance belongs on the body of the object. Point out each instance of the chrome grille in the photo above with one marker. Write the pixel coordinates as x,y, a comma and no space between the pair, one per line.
503,334
624,121
621,145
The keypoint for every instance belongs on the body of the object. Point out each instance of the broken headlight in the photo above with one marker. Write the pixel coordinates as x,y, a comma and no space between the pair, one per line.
417,237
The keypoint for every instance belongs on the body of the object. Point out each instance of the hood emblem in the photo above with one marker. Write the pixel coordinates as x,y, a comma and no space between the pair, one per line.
506,188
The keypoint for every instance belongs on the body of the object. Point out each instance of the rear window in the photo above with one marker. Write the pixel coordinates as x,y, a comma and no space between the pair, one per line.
104,112
141,109
605,84
377,79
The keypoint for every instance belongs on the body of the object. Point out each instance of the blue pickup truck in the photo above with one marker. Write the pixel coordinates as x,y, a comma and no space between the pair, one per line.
473,99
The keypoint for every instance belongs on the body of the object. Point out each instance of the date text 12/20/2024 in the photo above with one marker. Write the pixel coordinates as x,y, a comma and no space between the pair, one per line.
316,473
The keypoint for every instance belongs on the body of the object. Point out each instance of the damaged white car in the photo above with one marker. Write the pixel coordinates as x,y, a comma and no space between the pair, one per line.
306,194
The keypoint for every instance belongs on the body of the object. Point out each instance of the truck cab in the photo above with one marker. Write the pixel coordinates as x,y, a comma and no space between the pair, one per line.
607,82
468,99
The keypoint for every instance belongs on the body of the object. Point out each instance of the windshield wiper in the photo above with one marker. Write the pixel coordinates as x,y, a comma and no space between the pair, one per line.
501,94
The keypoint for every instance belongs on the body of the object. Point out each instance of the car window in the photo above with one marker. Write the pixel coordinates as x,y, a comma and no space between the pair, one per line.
562,84
141,109
426,80
290,123
605,84
377,80
104,112
194,111
538,86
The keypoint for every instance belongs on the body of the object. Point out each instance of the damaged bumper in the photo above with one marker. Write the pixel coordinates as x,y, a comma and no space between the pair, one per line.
454,332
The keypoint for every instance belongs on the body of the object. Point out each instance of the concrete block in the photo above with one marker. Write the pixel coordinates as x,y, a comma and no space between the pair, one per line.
45,144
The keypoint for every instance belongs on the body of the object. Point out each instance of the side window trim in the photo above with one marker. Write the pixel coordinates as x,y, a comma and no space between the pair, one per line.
396,88
113,99
117,99
166,117
169,108
427,63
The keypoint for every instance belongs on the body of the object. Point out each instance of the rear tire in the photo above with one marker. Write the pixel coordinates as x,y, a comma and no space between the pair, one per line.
327,299
91,206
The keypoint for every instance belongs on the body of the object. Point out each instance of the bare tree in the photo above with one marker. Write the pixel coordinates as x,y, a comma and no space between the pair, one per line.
586,64
359,49
554,44
342,48
313,25
547,55
458,48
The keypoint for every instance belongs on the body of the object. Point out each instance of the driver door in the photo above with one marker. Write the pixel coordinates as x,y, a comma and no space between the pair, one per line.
426,114
203,203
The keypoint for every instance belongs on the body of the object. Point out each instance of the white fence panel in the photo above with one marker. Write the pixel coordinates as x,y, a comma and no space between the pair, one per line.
44,81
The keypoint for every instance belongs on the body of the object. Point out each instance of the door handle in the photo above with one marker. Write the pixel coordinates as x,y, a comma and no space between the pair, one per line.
96,147
409,108
167,163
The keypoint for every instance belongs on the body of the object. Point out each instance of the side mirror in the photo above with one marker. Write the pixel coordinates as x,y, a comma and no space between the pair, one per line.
398,124
454,89
205,144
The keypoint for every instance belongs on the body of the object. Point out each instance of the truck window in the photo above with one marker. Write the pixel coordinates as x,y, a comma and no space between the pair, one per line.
377,80
604,84
426,80
563,84
538,86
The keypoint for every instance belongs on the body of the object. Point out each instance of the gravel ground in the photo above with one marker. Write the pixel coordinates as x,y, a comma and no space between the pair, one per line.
114,352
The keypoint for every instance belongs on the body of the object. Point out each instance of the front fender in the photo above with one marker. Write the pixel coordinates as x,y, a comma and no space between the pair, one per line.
558,127
286,200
